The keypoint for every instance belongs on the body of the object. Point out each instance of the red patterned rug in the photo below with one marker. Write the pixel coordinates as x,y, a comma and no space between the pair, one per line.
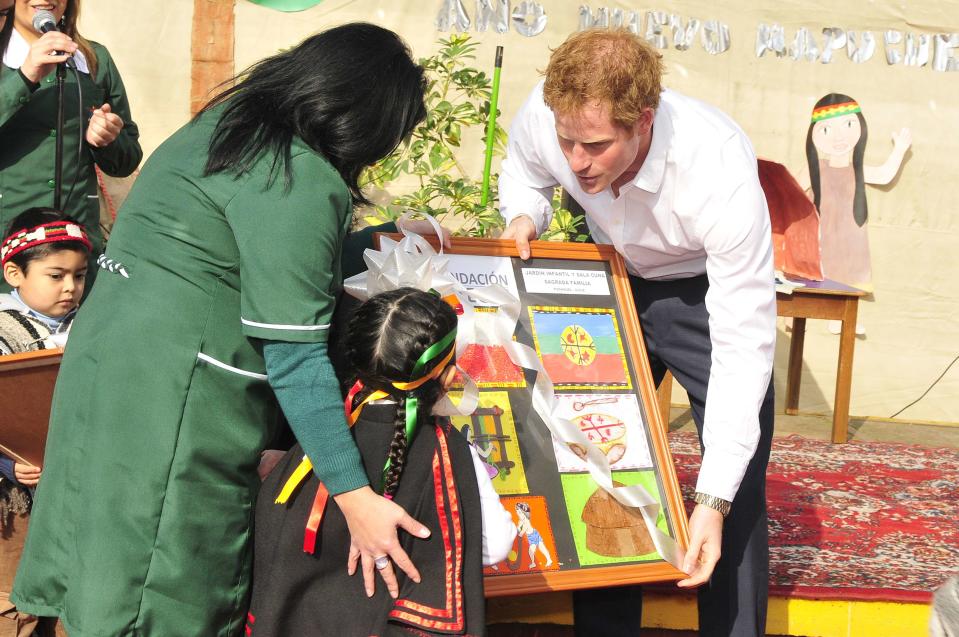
861,520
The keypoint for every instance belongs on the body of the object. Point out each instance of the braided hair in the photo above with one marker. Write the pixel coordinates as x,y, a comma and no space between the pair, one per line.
386,337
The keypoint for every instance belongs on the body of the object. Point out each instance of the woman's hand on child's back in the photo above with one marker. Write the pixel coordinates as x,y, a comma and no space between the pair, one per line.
373,521
26,474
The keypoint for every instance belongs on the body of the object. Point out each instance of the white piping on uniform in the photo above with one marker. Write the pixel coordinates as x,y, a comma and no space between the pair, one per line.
229,368
276,326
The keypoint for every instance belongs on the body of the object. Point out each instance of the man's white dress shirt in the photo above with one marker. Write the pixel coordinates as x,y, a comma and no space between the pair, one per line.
694,207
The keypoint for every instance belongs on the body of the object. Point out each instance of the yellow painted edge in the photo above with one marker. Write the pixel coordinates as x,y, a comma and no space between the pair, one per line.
905,620
786,616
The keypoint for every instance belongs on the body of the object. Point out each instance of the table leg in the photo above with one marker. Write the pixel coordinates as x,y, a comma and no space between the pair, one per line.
794,367
847,343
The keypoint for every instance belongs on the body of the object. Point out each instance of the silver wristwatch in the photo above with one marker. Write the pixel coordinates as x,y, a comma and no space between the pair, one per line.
723,506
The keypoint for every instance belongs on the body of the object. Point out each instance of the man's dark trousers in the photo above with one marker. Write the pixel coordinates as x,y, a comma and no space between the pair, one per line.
676,331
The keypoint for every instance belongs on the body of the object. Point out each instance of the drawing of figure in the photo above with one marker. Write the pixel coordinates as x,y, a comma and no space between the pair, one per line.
533,537
483,452
836,175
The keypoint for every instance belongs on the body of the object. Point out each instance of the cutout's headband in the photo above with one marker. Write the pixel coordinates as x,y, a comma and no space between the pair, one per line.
835,110
44,233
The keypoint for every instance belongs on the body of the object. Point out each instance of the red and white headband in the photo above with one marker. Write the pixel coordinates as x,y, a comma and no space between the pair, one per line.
44,233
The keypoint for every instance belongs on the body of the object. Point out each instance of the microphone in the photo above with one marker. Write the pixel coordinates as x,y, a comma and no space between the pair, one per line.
45,21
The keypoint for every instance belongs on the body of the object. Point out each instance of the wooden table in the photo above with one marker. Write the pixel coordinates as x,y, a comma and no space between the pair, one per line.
829,300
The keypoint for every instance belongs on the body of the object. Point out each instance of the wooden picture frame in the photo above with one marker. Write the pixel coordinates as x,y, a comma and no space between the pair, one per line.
552,489
26,393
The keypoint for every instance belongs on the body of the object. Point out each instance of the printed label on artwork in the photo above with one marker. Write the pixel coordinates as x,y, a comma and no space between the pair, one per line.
580,282
477,272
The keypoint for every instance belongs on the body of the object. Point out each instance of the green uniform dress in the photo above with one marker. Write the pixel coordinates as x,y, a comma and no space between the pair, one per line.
143,518
28,143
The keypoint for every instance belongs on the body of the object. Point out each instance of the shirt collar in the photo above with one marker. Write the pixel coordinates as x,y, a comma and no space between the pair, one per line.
50,321
18,48
651,173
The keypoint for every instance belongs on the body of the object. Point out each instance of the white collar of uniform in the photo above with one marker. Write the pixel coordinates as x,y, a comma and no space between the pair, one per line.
651,173
18,48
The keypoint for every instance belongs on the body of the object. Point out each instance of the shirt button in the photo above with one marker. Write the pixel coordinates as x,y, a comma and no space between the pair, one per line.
23,100
51,183
49,80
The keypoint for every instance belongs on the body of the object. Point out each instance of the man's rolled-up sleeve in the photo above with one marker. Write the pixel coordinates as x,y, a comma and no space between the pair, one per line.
525,185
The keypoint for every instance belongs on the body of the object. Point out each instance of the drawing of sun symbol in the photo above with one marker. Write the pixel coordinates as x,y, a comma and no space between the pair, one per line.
578,345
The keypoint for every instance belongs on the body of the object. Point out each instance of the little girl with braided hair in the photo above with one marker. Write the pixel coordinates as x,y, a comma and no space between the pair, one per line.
400,348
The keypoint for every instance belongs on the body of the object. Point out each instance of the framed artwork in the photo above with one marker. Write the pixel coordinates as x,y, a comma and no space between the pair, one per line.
576,320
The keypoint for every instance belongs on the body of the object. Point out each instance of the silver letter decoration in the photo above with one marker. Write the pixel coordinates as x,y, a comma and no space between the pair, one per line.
683,37
890,38
770,38
634,22
529,18
452,17
715,37
588,21
616,19
864,50
486,13
804,46
656,21
834,39
944,59
917,54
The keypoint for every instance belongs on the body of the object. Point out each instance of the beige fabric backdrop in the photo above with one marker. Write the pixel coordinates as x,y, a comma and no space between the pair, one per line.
911,323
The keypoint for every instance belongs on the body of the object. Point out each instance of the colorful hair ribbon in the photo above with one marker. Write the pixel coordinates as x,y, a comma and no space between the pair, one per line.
835,110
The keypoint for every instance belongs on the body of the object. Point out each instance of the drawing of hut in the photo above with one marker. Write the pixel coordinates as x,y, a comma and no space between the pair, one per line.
614,530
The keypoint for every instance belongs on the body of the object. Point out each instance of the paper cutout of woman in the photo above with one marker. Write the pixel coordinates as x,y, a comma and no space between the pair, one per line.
836,174
533,537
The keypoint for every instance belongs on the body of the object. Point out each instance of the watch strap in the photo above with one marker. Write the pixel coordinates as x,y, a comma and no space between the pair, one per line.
711,501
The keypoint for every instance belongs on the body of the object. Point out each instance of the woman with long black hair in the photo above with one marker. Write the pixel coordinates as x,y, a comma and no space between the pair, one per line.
212,313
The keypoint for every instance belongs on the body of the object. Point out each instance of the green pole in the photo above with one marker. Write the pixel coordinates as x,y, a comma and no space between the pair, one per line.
491,129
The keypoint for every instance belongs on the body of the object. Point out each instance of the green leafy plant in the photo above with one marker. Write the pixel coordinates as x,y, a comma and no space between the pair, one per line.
457,104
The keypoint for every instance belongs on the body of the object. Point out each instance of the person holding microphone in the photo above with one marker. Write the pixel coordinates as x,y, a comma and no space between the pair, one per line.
99,132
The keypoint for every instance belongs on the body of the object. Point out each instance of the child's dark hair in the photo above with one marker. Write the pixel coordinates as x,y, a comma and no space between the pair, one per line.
386,338
32,217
